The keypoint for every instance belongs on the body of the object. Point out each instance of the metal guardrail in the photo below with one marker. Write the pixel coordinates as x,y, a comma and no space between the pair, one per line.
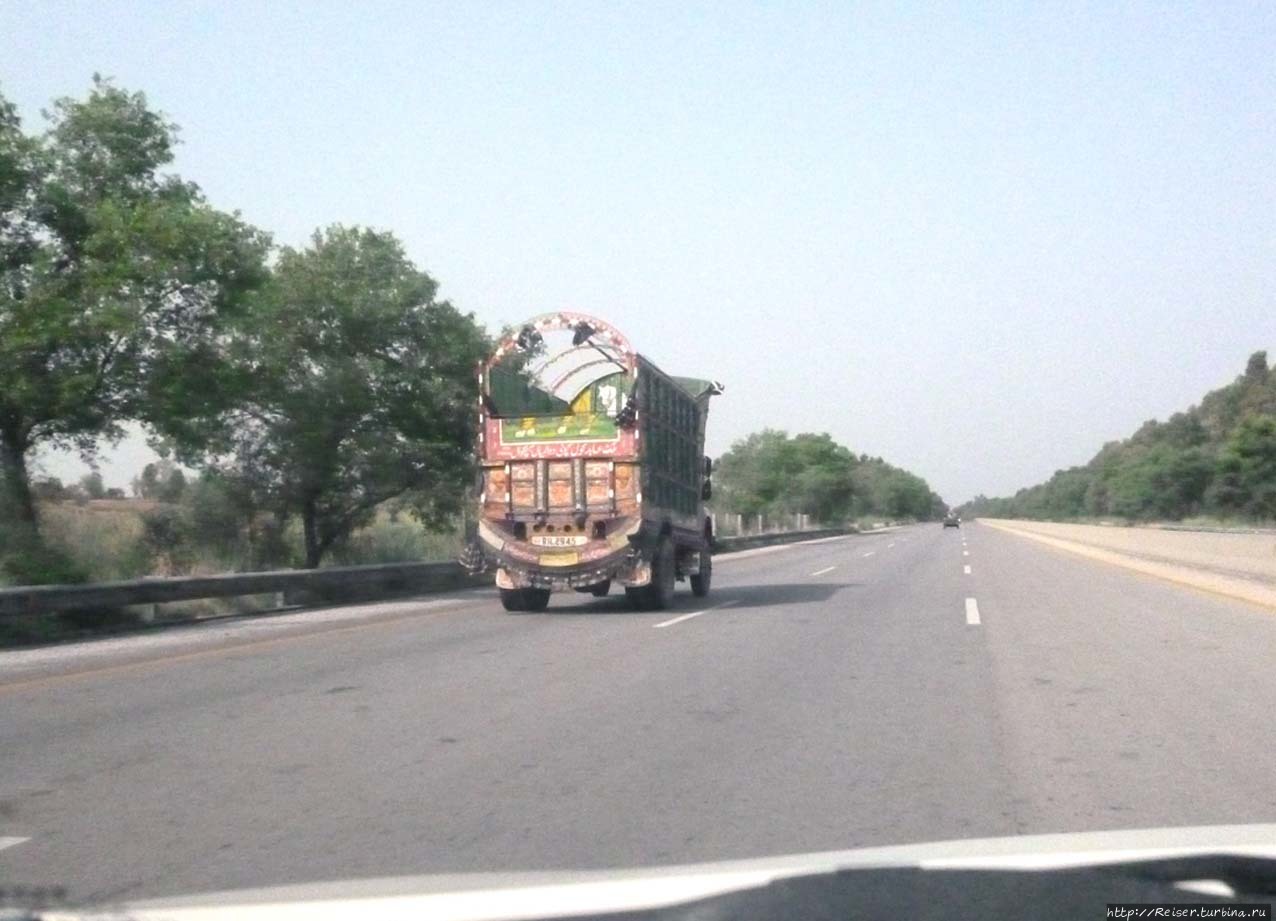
747,541
344,583
304,586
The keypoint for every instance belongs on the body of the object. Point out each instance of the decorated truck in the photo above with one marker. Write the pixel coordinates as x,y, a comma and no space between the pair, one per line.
591,468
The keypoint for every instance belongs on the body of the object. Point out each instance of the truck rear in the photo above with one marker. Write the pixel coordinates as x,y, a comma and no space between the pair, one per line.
592,468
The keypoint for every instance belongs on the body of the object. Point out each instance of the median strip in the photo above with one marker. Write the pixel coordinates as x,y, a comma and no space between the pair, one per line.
1253,589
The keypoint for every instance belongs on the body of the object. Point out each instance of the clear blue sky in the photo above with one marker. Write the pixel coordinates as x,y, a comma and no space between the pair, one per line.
979,240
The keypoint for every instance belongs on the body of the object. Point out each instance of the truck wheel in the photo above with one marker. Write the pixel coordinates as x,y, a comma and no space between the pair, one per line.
658,593
700,583
537,599
601,589
524,599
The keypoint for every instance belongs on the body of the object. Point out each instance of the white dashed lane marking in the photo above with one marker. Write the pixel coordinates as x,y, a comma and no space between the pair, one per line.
820,572
10,842
966,569
678,620
972,612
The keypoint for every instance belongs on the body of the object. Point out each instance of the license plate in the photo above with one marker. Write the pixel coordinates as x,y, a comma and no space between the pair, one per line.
559,540
560,559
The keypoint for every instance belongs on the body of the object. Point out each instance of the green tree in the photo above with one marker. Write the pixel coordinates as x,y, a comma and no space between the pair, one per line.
1160,483
771,473
146,484
49,489
1246,480
353,385
172,487
93,486
113,280
752,476
824,485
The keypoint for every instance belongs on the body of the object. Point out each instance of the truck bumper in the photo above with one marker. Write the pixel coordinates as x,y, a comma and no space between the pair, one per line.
521,564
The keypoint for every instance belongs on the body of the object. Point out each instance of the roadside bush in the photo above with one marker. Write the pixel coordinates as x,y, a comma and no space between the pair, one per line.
27,560
217,525
103,544
401,541
166,534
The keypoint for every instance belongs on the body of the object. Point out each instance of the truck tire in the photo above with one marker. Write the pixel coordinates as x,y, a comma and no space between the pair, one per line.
658,593
524,599
537,598
700,583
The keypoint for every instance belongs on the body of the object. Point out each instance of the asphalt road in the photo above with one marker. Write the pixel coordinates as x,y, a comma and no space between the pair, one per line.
837,694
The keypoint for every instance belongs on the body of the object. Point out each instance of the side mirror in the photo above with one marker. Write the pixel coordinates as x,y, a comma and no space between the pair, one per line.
706,491
708,466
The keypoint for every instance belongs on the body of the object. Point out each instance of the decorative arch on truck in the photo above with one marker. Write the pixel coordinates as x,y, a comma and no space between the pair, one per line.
543,397
596,347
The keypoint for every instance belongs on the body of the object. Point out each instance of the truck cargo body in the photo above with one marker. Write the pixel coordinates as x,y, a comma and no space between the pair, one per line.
592,469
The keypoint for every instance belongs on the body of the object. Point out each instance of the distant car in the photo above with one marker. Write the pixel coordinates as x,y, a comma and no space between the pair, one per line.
952,521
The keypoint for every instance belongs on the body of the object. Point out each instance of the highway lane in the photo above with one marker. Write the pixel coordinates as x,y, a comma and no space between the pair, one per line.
832,694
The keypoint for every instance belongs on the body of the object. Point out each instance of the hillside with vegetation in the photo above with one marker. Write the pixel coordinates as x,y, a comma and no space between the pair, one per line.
1216,459
775,476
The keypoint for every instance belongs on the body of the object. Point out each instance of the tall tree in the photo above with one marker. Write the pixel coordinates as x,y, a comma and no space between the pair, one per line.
92,485
114,278
1246,481
354,386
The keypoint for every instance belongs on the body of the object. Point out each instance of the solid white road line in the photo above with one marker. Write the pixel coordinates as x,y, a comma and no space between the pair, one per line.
966,569
678,620
10,842
972,612
870,553
820,572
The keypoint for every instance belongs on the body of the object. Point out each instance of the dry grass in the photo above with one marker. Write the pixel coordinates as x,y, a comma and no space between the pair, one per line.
106,537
